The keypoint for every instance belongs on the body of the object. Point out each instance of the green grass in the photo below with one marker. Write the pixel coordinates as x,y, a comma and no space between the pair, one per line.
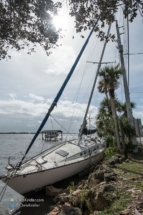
131,172
129,175
117,204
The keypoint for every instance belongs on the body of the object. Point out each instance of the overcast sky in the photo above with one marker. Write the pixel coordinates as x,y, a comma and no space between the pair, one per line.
29,83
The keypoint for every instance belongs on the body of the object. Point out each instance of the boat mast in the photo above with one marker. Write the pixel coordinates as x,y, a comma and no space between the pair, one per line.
93,87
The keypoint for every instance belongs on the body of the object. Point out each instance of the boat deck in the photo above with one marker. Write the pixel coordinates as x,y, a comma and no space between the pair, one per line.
60,155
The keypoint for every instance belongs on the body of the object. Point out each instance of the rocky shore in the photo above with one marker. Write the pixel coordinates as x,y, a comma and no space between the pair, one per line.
114,187
103,189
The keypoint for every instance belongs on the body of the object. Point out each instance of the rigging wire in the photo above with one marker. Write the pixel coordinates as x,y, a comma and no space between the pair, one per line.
85,69
96,104
89,85
76,97
84,96
3,190
51,122
74,100
61,125
95,101
69,110
8,177
77,93
88,89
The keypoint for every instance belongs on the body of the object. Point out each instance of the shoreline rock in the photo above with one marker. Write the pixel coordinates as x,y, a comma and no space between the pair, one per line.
52,191
94,193
88,195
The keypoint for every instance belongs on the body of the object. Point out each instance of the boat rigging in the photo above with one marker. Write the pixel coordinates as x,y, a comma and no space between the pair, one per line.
68,158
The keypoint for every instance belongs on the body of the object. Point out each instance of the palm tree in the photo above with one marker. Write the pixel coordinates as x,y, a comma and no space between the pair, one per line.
110,75
121,107
104,120
102,88
104,124
105,105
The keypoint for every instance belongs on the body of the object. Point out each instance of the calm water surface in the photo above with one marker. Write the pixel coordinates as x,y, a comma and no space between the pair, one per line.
10,144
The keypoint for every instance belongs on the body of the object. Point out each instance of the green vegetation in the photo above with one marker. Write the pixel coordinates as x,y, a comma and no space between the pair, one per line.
118,204
132,172
113,189
71,187
82,197
110,151
24,24
28,23
112,122
129,185
85,13
109,82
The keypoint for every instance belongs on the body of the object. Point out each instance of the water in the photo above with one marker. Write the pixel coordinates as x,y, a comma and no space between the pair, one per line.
10,144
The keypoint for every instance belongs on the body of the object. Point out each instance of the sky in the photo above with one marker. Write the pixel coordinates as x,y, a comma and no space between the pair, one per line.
29,83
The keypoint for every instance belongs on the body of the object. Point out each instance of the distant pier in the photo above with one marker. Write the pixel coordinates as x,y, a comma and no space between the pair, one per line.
52,135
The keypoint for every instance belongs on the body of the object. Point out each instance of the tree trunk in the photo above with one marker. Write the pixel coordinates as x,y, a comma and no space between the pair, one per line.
111,92
122,136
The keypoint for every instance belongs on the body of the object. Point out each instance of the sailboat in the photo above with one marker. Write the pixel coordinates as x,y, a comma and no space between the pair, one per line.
61,161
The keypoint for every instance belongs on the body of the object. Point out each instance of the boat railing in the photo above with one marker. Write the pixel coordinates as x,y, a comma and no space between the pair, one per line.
11,166
37,163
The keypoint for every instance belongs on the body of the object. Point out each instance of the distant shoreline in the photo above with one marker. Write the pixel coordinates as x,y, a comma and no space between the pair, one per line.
24,133
17,133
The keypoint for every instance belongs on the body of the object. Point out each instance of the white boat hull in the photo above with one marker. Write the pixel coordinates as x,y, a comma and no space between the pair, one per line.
56,166
31,182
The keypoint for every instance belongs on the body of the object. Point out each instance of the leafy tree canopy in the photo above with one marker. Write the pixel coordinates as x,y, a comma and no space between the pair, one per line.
87,11
26,22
